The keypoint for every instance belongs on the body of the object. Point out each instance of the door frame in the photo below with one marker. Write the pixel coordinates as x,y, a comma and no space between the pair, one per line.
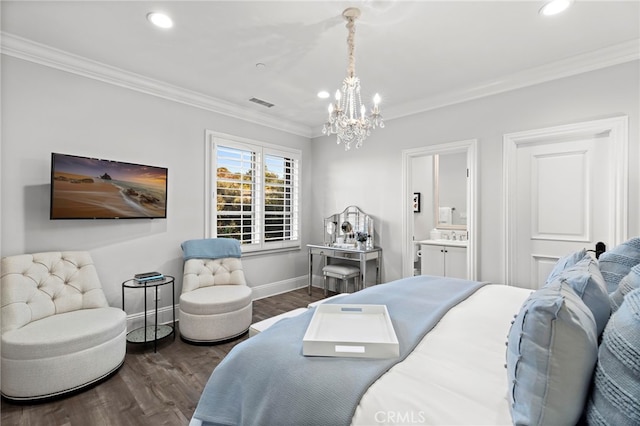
616,131
471,148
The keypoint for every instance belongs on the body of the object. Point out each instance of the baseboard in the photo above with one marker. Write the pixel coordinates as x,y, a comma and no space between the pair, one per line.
279,287
165,314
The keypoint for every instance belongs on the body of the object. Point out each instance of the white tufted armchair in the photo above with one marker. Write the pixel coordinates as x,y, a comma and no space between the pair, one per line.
58,332
215,303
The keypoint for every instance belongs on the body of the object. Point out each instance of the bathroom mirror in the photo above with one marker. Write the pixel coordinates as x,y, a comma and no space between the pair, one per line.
450,190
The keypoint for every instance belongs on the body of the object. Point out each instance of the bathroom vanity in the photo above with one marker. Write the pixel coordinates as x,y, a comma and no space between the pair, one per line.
441,257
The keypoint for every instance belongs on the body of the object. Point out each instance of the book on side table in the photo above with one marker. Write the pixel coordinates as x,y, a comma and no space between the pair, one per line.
147,277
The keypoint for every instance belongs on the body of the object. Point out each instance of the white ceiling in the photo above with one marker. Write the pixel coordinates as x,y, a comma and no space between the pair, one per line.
417,55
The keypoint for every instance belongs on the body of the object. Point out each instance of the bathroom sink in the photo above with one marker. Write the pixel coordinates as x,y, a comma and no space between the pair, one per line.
444,242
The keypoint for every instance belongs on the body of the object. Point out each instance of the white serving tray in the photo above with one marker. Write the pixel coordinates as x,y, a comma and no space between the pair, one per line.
356,331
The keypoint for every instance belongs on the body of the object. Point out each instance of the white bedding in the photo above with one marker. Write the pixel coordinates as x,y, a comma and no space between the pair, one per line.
456,375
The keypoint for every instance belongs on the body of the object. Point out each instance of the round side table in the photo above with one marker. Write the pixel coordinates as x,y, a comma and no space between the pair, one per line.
155,332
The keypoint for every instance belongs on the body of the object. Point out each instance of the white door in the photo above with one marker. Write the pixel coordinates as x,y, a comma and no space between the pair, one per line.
564,196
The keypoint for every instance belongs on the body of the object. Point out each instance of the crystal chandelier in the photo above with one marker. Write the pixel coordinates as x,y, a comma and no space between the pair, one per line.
347,116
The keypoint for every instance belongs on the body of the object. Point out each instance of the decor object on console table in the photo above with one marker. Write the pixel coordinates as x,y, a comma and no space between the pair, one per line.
59,334
216,302
348,238
349,227
156,332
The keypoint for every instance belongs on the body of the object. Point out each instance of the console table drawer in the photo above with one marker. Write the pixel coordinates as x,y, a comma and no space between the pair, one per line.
322,251
346,255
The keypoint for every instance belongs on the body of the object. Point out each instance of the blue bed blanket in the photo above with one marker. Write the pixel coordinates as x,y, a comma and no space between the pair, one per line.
266,380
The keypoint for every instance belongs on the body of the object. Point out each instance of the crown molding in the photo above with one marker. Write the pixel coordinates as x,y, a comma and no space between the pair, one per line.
598,59
28,50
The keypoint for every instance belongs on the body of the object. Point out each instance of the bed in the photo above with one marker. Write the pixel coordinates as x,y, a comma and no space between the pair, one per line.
470,353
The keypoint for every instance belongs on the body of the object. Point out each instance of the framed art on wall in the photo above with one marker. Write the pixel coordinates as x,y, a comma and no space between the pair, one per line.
416,202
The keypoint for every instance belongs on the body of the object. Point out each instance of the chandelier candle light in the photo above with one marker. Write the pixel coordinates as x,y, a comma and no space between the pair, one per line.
347,116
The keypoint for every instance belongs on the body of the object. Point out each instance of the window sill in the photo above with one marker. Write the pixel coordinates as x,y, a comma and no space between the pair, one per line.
261,252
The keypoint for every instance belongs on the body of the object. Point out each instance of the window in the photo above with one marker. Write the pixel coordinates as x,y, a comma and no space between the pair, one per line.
255,193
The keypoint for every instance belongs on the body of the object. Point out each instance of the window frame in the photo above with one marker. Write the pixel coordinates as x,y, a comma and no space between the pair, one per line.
213,139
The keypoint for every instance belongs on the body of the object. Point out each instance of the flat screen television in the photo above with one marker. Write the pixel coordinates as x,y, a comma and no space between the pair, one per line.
90,188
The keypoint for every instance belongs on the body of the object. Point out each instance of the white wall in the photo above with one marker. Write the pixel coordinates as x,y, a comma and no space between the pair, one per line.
46,110
371,176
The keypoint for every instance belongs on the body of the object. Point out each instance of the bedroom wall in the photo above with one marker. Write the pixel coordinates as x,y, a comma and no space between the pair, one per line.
371,176
45,110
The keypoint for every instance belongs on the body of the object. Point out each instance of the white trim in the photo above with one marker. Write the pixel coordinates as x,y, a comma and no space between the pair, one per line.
279,287
617,130
211,138
591,61
28,50
42,54
136,320
470,146
258,292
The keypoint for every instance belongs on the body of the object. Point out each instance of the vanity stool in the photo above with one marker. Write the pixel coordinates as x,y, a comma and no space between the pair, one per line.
341,272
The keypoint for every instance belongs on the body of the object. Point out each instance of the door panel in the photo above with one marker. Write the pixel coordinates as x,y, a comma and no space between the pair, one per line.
563,204
565,189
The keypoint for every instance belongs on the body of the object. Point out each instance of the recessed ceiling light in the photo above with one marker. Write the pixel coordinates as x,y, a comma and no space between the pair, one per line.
160,20
323,94
554,7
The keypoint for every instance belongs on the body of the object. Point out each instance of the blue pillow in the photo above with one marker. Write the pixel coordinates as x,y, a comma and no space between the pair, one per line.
586,280
551,353
615,396
629,283
566,262
617,262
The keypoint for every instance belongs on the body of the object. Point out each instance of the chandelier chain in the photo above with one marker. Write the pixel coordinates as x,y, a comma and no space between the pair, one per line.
347,116
351,26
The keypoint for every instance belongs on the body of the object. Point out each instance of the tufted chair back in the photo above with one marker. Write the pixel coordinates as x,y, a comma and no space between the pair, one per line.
207,272
35,286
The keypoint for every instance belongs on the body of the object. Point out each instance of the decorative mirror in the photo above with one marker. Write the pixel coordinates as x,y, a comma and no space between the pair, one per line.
352,228
450,190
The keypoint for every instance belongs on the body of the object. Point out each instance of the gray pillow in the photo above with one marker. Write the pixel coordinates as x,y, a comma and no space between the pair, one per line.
551,353
615,395
586,280
617,262
629,283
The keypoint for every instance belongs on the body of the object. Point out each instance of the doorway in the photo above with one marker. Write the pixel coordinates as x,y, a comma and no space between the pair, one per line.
410,160
565,190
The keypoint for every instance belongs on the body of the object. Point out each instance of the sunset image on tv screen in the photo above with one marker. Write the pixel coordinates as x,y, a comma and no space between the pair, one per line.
88,188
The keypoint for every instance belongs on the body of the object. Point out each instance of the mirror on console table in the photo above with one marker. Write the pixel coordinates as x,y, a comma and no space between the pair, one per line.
352,228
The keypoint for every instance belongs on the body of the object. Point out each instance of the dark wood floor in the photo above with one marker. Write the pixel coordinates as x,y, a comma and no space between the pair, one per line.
152,389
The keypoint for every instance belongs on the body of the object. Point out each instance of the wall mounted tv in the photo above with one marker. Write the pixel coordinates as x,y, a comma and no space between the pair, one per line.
90,188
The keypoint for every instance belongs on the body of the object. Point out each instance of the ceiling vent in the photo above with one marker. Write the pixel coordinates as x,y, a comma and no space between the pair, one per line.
261,102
